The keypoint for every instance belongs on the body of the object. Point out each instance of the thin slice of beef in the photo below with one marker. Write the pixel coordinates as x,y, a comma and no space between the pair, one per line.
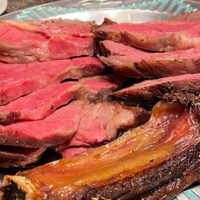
154,36
43,102
28,41
132,62
19,79
12,156
184,88
187,17
53,130
143,159
71,152
102,122
103,85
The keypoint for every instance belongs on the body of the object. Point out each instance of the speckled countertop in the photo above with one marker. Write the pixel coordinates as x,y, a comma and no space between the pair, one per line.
14,5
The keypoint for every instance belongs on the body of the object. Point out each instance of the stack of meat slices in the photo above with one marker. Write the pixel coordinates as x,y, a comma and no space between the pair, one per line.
53,93
140,157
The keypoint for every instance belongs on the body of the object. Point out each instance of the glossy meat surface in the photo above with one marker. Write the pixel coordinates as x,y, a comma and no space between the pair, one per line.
124,168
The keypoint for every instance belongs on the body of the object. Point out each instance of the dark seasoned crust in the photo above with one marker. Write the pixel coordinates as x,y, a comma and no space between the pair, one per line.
176,186
185,91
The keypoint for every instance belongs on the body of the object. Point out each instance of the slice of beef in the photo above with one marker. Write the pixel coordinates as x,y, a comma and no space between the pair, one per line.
28,41
184,88
102,122
154,36
39,104
19,156
43,102
132,62
53,130
71,152
187,17
143,159
103,85
19,79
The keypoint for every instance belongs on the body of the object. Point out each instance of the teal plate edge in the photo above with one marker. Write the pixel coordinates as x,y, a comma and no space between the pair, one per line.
176,6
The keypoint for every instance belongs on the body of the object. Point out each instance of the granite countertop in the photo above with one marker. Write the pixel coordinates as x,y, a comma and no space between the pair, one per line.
14,5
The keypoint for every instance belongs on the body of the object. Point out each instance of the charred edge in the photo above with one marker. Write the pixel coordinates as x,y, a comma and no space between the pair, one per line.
185,98
103,50
174,187
134,186
10,118
12,192
147,104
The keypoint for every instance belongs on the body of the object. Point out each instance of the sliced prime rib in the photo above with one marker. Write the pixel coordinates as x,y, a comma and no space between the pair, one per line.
71,152
19,79
19,156
145,158
57,128
28,41
102,122
183,88
43,102
154,36
61,125
132,62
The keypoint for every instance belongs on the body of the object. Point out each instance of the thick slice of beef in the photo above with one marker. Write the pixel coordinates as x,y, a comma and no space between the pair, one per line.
39,104
43,102
71,152
19,156
53,130
187,17
101,122
144,158
132,62
154,36
184,88
19,79
28,41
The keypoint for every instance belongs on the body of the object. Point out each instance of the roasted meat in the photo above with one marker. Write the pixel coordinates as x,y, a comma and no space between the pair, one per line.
61,125
43,102
184,88
19,79
132,62
102,122
143,159
12,156
28,41
159,36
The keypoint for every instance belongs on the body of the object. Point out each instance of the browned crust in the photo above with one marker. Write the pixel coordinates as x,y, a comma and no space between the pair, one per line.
153,68
129,188
176,186
132,187
168,42
12,159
